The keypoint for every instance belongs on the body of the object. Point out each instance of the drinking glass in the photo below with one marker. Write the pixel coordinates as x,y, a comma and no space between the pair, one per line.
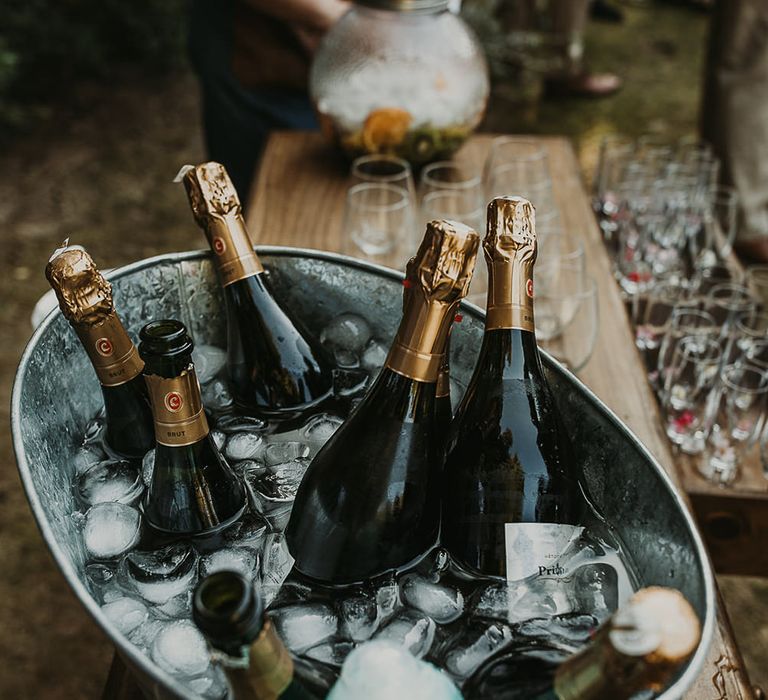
570,257
385,170
736,419
705,278
685,321
727,303
688,384
567,318
509,179
524,162
378,221
756,279
747,336
719,220
649,331
615,153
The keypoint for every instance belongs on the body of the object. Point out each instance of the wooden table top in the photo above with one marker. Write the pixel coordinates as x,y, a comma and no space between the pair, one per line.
298,200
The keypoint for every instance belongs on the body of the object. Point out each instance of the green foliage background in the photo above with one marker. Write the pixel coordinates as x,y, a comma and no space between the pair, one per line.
47,46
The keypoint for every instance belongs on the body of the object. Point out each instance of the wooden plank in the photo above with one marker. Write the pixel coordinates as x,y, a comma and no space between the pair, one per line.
298,200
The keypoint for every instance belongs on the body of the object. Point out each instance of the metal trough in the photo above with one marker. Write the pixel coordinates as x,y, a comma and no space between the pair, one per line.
56,393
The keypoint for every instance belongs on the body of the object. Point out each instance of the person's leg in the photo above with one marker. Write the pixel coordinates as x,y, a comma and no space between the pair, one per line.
735,112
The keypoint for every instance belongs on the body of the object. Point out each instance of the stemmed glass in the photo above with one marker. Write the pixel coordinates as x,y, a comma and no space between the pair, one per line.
688,384
685,321
736,418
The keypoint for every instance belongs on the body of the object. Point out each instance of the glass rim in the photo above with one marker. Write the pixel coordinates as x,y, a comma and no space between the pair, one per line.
406,171
696,341
539,152
736,366
751,330
588,290
743,298
402,202
464,184
435,195
679,311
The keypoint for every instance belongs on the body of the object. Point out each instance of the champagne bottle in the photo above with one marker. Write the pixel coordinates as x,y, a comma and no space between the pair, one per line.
443,408
370,500
229,612
85,299
511,496
643,645
193,490
275,365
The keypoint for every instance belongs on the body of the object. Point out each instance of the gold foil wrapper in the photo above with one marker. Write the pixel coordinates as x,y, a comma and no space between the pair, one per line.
217,210
177,408
640,648
436,280
510,250
270,669
85,299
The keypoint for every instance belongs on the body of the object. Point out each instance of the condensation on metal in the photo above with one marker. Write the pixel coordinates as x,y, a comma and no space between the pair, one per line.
55,393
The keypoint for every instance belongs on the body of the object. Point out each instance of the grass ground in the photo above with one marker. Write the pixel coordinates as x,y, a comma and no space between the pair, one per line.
99,172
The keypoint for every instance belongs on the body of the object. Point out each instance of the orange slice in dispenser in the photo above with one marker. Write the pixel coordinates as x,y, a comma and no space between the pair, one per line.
385,128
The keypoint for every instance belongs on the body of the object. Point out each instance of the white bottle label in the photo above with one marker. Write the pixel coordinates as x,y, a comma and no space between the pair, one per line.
534,548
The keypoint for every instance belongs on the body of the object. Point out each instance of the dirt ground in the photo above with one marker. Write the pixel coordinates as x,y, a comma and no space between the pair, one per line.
100,172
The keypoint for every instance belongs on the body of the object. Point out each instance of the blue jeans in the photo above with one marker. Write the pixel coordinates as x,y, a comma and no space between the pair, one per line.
236,120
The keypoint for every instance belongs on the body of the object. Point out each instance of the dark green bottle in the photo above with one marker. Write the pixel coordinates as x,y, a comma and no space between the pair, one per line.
511,496
229,611
275,365
193,490
640,649
370,500
85,299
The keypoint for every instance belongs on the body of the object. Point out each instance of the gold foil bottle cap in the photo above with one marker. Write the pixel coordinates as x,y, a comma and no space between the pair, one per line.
85,297
210,191
510,249
217,210
436,279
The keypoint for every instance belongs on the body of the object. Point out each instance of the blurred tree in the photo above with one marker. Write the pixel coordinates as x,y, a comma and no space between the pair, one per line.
47,46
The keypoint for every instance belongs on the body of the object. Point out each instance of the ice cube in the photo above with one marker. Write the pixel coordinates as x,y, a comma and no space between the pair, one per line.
249,532
282,452
304,625
159,575
596,590
570,630
212,684
346,359
318,429
180,649
410,629
250,468
126,614
176,608
240,424
359,617
217,396
331,653
108,481
348,383
473,644
219,439
209,361
387,598
86,456
148,467
111,529
144,635
244,446
239,559
443,603
102,582
273,492
373,357
94,430
381,670
290,593
522,600
346,332
435,564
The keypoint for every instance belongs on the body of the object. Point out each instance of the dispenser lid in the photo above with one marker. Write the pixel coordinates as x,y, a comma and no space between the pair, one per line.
423,6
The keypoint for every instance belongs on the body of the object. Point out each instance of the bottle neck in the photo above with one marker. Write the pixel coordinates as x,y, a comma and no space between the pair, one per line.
110,349
509,353
510,293
177,407
232,249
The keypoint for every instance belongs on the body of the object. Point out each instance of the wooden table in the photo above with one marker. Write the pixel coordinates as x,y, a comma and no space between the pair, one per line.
298,200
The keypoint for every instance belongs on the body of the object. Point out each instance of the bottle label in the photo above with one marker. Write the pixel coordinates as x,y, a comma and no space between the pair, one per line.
533,549
177,408
232,250
510,295
111,350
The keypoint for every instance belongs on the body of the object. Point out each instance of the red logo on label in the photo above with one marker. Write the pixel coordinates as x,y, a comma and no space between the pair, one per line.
104,347
529,288
173,401
219,246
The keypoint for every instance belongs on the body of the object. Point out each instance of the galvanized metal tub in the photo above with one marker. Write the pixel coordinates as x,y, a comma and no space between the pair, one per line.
56,393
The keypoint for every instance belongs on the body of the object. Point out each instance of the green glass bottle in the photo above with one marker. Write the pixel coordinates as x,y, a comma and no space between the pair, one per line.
370,500
85,299
193,491
229,611
641,648
276,366
512,499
